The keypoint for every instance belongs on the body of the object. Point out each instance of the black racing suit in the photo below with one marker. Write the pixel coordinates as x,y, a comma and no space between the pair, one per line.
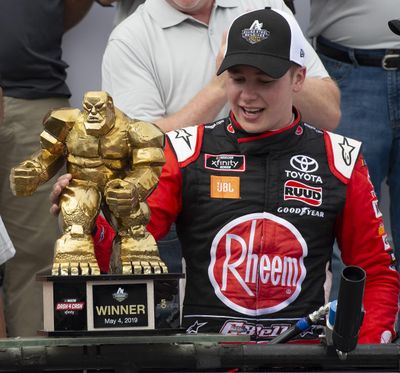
257,216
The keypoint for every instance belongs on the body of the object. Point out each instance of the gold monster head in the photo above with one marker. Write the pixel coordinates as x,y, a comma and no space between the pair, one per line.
98,113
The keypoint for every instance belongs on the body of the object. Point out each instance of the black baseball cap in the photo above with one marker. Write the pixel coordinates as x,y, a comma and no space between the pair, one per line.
268,39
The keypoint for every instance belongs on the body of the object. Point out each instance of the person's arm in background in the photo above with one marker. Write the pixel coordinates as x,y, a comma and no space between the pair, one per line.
319,99
319,95
127,74
205,106
74,11
319,103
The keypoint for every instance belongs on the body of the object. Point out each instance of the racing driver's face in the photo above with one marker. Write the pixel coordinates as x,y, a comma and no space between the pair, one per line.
259,102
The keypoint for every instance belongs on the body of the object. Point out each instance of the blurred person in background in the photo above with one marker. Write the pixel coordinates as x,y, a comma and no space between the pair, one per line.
7,250
362,55
33,80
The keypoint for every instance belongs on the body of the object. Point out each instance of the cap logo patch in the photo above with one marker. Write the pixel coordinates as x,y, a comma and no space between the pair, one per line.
255,33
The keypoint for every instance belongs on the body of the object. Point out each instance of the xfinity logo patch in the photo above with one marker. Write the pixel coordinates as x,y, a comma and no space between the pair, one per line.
294,190
225,162
304,163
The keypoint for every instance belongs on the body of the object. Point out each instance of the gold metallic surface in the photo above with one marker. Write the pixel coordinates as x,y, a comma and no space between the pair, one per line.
28,175
138,254
115,162
74,254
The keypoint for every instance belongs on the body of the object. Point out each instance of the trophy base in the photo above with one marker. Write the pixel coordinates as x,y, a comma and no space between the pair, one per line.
111,304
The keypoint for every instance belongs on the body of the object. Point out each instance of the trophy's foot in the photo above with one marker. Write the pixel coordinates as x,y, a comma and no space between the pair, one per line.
140,256
74,256
146,267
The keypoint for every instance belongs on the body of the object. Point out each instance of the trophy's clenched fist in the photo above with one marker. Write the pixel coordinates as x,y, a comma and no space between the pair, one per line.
121,197
25,178
115,163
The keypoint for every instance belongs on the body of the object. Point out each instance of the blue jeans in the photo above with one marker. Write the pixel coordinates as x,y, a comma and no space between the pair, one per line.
170,251
370,107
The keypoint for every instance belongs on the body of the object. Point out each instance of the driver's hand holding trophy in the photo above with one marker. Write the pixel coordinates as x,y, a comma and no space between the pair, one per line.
115,164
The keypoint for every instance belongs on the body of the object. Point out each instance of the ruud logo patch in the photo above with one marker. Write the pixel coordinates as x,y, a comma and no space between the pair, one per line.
294,190
225,162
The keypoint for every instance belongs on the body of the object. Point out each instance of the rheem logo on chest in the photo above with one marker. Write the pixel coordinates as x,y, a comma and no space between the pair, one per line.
257,264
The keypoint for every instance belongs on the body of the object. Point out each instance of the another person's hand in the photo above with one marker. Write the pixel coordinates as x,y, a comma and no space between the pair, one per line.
58,187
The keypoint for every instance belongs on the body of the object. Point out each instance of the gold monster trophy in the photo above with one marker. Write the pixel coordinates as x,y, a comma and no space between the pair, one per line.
115,164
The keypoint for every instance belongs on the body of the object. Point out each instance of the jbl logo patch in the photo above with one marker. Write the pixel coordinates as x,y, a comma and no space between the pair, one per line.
225,186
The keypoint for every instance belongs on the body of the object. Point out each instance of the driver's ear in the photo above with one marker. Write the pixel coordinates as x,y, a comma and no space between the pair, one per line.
298,77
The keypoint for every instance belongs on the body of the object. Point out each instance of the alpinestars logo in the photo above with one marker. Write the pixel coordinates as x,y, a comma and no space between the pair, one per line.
194,328
346,151
185,136
255,33
257,264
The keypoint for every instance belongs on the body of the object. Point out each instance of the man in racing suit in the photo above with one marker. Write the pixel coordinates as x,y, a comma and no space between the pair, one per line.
258,206
258,198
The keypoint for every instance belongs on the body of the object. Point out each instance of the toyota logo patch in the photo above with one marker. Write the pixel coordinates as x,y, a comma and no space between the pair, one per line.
304,163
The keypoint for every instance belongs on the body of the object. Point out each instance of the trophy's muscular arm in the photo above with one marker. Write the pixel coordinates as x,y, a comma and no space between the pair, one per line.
147,142
43,165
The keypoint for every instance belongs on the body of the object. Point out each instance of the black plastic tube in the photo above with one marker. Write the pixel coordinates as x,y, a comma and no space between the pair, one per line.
349,313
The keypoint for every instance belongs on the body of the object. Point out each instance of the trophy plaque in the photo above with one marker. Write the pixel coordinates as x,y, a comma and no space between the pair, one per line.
110,304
